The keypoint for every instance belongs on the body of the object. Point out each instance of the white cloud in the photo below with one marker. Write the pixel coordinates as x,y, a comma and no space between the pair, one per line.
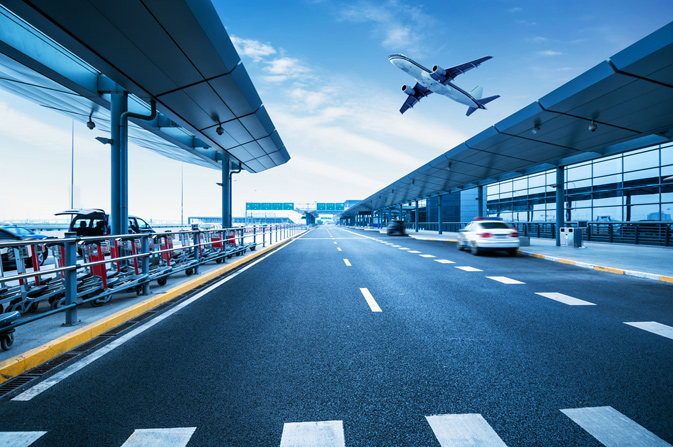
401,26
515,10
549,53
253,49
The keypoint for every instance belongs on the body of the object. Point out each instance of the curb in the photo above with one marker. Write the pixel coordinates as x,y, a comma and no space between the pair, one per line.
601,268
28,360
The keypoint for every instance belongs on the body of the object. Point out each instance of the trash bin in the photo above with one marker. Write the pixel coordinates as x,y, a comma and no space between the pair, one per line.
578,238
567,236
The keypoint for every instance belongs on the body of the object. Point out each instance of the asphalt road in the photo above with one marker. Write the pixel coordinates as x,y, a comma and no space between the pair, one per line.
293,339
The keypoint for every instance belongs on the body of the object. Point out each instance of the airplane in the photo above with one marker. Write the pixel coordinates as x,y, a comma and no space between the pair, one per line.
439,80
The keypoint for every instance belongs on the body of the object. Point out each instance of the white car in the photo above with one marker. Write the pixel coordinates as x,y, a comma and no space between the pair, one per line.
488,233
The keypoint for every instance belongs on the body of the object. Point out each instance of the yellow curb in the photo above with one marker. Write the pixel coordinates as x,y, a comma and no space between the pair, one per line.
566,261
535,255
665,278
609,269
21,363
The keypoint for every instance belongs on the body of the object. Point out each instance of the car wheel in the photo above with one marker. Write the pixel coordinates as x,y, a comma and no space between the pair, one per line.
459,245
475,249
513,251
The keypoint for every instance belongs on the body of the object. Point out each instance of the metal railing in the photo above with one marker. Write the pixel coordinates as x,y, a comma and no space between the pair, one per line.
115,264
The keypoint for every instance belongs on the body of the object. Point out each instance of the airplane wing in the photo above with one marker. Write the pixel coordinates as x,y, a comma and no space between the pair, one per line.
419,92
452,72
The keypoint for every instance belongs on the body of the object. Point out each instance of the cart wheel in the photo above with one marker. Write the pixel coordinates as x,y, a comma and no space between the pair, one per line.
189,272
238,253
218,261
162,281
7,341
139,290
252,248
230,256
33,307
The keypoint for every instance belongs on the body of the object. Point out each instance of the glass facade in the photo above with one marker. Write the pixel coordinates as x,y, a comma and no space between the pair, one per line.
633,186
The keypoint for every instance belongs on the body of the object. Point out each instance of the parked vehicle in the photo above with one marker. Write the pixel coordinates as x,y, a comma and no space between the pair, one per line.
488,233
11,233
396,227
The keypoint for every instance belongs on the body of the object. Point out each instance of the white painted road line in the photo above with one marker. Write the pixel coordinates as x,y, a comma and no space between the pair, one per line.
160,437
565,299
370,300
347,262
395,246
464,430
505,280
469,269
404,248
444,261
338,249
20,438
654,327
413,251
427,256
613,429
314,434
335,242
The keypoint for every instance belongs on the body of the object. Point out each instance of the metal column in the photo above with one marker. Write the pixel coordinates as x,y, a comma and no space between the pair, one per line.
226,193
480,200
439,215
416,218
118,106
560,199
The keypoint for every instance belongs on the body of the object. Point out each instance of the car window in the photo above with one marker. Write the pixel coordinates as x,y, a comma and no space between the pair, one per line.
142,224
5,235
494,225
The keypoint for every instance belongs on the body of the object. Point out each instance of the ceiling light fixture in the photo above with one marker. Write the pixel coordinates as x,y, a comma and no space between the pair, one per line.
535,129
592,127
219,130
90,124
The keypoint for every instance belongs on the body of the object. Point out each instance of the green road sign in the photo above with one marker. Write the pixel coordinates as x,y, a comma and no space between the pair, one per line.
269,206
330,206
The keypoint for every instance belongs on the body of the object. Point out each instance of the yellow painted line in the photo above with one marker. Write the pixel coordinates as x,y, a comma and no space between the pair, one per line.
665,278
600,268
535,255
566,261
21,363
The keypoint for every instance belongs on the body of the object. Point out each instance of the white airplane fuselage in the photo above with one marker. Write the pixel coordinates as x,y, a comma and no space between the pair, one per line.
422,75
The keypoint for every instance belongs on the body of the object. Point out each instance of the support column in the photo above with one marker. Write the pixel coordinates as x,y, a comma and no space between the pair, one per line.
226,193
480,201
560,199
439,214
416,218
118,105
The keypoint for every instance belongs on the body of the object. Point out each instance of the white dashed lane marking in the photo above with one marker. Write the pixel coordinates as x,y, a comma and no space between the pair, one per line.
463,430
565,299
168,437
505,280
469,269
427,256
413,251
20,438
404,248
338,249
613,429
654,327
370,300
444,261
347,262
314,434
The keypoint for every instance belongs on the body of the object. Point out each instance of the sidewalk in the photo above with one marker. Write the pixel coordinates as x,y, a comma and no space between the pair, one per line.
42,340
643,261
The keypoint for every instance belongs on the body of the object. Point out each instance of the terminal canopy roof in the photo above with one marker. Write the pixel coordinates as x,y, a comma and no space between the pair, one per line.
70,55
628,97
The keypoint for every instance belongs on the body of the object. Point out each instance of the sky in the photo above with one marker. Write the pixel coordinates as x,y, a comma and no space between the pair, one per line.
321,68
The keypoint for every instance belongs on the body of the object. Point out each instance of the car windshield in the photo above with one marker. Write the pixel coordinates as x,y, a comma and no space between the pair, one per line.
18,231
493,225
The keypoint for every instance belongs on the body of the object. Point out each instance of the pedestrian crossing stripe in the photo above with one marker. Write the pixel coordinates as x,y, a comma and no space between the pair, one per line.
607,425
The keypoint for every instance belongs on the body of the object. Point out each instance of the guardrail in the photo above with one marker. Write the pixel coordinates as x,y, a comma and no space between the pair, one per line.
658,233
112,265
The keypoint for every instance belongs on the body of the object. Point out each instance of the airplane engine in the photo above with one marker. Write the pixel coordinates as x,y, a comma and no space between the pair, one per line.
440,71
408,90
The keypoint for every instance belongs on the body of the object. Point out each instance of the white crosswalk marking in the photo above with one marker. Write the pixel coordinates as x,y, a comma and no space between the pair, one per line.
654,327
313,434
427,256
404,248
413,251
505,280
613,429
19,438
347,262
338,249
444,261
565,299
469,269
464,430
160,437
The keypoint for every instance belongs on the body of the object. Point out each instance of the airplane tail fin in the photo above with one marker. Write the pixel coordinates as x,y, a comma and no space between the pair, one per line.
478,92
482,102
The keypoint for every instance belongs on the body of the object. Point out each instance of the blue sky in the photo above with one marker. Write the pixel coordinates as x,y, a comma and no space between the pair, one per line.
322,71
